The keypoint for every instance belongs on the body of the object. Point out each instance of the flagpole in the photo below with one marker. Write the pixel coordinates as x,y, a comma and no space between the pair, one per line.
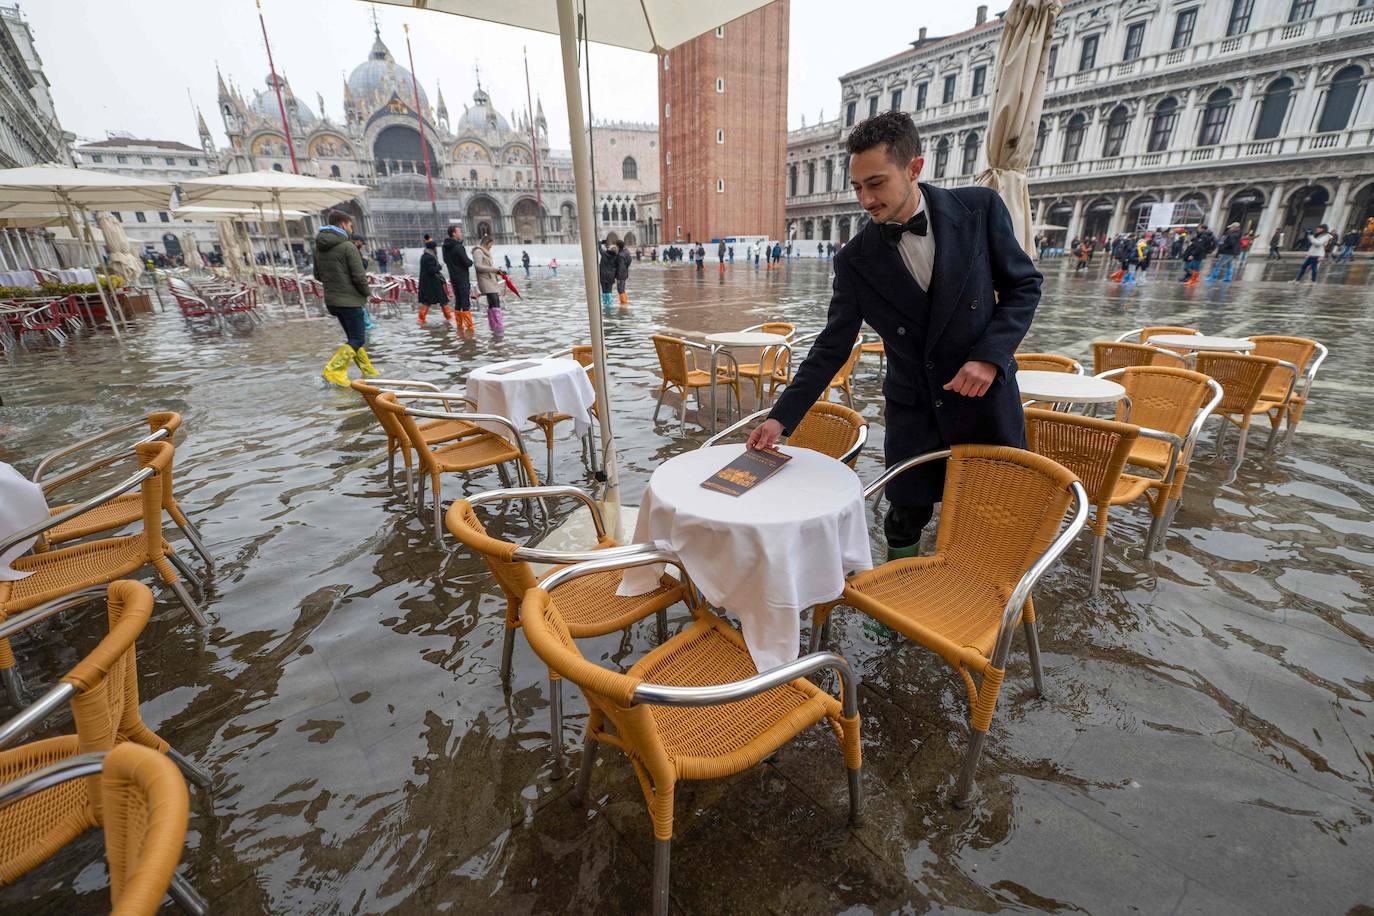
534,145
276,85
424,144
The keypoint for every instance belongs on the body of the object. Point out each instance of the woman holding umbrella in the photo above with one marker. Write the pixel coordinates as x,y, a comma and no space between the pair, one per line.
432,283
489,282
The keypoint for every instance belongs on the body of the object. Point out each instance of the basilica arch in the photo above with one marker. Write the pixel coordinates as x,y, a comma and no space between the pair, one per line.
397,149
528,219
484,218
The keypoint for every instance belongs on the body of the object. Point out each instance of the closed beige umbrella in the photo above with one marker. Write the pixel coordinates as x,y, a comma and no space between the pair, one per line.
1017,100
231,248
122,258
189,252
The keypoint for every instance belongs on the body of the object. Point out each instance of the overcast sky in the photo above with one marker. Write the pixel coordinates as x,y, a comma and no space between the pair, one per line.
129,65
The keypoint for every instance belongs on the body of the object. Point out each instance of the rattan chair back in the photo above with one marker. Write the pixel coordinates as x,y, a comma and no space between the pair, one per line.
672,359
828,428
1295,350
404,428
1094,449
1046,362
1163,398
1242,378
514,576
782,328
1109,355
145,814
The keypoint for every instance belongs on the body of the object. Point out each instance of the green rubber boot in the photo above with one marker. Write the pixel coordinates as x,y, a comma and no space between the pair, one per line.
902,553
336,370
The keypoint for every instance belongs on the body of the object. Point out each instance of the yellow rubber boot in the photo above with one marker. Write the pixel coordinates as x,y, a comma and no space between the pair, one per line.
365,364
336,370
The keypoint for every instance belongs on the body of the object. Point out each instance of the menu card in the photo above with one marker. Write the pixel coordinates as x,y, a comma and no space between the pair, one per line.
747,471
514,367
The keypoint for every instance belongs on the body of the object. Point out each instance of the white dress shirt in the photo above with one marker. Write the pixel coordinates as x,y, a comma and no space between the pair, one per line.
918,251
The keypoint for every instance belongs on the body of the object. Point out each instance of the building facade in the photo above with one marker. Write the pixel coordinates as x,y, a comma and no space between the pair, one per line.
1253,111
30,133
723,122
482,165
625,157
155,160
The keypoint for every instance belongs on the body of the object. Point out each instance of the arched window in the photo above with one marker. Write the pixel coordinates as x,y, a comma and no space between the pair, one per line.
1214,118
632,213
1273,109
1115,136
624,214
811,178
629,169
1340,100
941,157
1162,125
1073,137
792,180
605,213
829,174
334,171
970,154
1042,134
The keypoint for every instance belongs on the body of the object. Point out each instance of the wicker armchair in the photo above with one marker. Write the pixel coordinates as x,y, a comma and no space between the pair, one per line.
134,795
1096,451
1285,395
781,328
692,708
590,605
831,429
433,432
774,365
877,347
122,510
482,449
1243,379
681,374
1048,362
999,532
1109,355
844,378
58,573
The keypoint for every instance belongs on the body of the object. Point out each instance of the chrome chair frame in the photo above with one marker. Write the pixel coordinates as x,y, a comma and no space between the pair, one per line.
682,407
396,386
847,457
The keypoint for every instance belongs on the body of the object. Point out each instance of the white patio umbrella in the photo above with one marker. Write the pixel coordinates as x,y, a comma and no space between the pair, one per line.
122,256
65,189
654,26
279,190
226,217
1018,97
231,246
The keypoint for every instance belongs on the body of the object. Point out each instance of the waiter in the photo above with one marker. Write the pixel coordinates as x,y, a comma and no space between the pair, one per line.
941,278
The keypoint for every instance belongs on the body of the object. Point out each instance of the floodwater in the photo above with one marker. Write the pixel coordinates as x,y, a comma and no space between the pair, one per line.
1205,745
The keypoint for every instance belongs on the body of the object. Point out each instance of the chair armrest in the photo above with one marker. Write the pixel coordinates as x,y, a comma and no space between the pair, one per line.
1312,368
1022,591
1175,448
900,467
1190,440
489,417
577,493
1134,332
857,447
643,555
40,780
737,425
114,458
720,694
50,457
100,499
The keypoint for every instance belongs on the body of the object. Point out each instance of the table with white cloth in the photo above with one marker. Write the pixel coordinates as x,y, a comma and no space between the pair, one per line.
21,506
1197,342
1067,387
726,340
549,386
766,555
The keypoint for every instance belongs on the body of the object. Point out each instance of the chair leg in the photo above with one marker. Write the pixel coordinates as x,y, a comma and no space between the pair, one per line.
420,497
1156,536
193,535
1099,545
550,465
193,772
410,486
584,775
659,406
438,522
189,603
186,572
507,651
662,617
856,797
1033,650
1221,436
1240,451
391,470
186,897
965,784
556,724
663,850
14,685
682,415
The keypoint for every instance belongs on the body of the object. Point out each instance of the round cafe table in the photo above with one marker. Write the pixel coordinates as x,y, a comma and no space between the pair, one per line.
549,386
766,555
1196,342
727,340
1067,388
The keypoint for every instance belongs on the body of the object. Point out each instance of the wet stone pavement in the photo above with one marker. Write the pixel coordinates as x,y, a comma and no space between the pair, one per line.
1205,744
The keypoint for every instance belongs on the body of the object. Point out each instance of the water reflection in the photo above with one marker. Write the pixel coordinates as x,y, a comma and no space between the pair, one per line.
1204,745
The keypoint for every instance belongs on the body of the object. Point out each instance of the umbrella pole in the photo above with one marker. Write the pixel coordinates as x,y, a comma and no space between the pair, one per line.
109,300
248,253
582,177
272,259
9,244
296,271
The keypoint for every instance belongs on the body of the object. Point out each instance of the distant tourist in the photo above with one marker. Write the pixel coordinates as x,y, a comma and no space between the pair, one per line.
553,266
458,263
1318,247
608,265
1275,245
432,283
525,262
339,269
489,282
622,271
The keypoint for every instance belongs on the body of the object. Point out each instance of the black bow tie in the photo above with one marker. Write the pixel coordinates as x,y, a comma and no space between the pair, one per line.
892,232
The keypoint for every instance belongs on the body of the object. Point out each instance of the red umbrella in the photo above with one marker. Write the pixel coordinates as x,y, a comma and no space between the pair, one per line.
511,286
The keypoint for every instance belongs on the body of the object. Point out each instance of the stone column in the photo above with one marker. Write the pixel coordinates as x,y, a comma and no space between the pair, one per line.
1305,105
1214,215
1075,221
1269,220
1238,124
1138,131
1118,216
1186,127
1336,211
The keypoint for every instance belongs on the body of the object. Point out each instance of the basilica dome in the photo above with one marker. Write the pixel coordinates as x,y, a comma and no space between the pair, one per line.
265,103
481,117
381,76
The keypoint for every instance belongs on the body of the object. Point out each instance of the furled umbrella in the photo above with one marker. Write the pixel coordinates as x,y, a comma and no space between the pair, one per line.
1018,97
230,247
122,257
190,252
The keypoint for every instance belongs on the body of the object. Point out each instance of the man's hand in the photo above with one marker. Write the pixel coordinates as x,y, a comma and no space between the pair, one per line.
766,434
973,379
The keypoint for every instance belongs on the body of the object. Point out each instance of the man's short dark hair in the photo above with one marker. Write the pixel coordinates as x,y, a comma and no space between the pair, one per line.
451,230
338,218
895,128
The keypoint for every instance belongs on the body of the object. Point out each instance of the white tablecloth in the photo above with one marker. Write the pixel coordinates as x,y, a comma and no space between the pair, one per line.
552,386
21,505
765,556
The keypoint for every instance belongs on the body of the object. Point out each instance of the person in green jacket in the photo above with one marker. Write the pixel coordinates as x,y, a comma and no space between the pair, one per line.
339,268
